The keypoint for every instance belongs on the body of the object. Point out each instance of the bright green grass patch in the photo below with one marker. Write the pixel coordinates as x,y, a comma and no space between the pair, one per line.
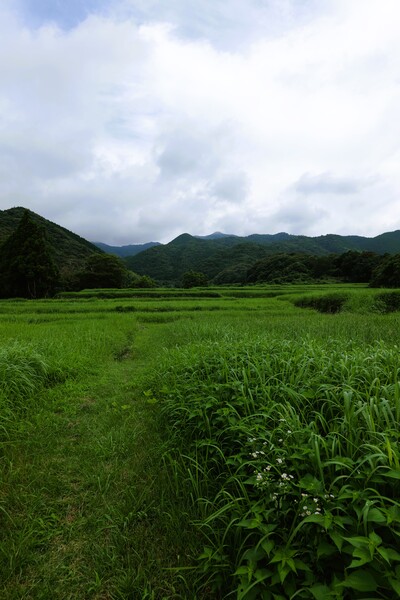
86,509
362,301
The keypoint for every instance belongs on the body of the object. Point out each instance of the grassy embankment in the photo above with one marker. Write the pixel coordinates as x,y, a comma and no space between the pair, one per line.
176,447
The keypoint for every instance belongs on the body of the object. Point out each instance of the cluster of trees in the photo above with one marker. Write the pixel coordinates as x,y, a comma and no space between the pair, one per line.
352,267
27,268
192,279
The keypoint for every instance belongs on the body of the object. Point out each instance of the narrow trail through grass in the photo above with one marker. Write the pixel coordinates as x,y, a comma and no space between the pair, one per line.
85,507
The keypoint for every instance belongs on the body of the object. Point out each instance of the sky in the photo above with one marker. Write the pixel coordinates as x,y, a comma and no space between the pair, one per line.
128,121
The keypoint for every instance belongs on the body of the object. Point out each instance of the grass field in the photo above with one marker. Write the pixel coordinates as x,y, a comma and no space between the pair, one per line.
222,443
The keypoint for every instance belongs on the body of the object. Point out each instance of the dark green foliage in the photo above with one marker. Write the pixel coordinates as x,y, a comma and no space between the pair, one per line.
387,274
144,282
223,258
192,279
282,268
103,271
27,269
388,302
357,267
69,250
352,266
328,303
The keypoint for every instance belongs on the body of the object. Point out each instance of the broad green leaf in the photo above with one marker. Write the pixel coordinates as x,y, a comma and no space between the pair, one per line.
393,554
267,546
301,565
325,549
311,483
361,556
320,519
358,541
376,516
249,523
244,570
394,514
337,539
320,592
262,574
282,555
395,583
384,553
362,581
374,537
283,571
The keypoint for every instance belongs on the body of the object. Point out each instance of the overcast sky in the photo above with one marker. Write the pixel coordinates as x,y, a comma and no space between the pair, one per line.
135,120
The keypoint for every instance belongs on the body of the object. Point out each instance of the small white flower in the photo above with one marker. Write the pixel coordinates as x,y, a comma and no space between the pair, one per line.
279,461
305,507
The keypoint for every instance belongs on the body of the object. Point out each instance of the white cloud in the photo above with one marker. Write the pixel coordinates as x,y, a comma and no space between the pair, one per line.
142,127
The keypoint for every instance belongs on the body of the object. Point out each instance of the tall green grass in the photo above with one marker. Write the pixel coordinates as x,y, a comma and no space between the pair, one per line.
23,372
290,449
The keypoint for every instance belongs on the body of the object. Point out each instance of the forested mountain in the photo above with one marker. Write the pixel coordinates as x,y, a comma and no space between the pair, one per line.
123,251
225,259
68,250
220,257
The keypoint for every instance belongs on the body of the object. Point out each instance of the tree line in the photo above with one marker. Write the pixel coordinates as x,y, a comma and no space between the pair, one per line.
28,269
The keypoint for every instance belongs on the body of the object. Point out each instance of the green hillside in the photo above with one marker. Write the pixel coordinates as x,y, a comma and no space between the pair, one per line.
69,250
226,259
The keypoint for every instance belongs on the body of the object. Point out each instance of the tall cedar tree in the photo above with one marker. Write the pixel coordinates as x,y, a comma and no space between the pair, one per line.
27,269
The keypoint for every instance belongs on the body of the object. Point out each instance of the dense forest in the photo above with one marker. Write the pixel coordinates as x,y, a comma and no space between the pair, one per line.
39,259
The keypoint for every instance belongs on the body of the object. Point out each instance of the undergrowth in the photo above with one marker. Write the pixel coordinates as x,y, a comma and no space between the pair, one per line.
290,450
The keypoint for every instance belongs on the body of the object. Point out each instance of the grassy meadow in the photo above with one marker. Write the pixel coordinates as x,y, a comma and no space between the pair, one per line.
198,444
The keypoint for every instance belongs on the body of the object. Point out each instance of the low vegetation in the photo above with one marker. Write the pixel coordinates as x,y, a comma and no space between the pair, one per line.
201,443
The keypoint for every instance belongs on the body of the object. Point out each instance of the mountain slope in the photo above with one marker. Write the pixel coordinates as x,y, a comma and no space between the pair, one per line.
222,256
69,250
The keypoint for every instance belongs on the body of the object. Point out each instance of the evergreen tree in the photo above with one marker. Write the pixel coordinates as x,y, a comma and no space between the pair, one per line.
27,269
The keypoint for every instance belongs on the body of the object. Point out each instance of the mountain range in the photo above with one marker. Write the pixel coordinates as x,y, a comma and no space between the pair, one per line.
224,258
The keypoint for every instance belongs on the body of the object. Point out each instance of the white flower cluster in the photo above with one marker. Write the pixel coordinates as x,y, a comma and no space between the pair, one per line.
310,505
257,453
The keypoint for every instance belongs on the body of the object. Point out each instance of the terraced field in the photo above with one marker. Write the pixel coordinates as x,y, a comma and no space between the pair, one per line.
212,443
